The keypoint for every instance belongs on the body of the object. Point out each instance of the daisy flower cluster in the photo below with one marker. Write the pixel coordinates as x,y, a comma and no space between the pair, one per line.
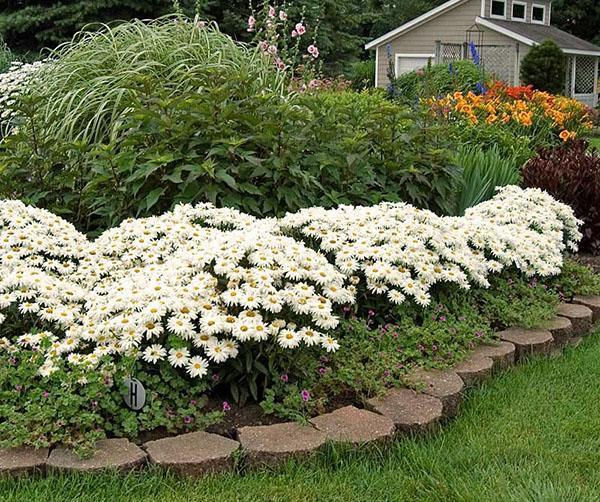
188,287
397,250
192,285
12,82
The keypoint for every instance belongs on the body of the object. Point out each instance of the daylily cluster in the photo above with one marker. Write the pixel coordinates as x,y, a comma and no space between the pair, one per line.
519,107
192,285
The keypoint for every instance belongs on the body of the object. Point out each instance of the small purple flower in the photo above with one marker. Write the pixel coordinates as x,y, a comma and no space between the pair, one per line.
226,406
193,402
284,378
45,393
443,318
322,371
371,313
216,377
346,309
187,420
387,373
305,395
479,334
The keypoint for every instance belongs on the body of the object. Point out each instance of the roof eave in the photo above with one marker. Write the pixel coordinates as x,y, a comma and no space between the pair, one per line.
433,13
520,38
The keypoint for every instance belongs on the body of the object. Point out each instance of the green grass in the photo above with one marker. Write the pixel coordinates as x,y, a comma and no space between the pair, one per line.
594,142
531,434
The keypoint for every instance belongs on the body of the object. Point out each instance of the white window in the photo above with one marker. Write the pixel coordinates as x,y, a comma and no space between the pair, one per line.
409,62
498,9
538,13
518,11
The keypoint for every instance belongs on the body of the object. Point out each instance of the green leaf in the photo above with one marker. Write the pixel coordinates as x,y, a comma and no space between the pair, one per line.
152,198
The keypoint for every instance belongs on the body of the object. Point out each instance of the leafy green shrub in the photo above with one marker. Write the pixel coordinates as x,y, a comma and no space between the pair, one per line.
6,56
124,125
438,80
482,172
544,67
362,75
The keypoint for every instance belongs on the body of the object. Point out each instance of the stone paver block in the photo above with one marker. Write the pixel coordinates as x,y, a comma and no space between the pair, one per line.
22,460
528,342
269,445
355,426
590,301
561,329
579,315
446,385
475,369
118,454
193,454
410,411
502,353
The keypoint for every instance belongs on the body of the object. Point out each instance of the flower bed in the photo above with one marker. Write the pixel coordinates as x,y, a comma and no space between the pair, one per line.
540,117
201,297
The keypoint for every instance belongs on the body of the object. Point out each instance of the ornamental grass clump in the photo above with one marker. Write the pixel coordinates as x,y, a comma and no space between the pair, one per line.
100,75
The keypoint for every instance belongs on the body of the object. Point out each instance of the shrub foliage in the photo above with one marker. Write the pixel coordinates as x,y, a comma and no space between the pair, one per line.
544,68
571,173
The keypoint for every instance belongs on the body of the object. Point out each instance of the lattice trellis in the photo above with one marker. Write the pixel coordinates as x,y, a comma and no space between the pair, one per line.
585,70
451,52
498,61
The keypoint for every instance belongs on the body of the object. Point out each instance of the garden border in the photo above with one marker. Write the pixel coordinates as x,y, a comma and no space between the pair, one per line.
435,398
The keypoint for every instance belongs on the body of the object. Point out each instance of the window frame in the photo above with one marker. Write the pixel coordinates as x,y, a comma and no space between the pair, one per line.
512,13
541,6
496,16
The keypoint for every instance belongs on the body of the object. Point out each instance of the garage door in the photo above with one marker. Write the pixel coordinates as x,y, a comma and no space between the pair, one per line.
409,62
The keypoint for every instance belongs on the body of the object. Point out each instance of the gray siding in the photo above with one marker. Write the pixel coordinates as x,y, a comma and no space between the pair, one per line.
449,27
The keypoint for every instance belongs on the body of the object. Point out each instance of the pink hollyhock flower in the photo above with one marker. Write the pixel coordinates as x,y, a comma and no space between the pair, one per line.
313,51
280,64
263,46
226,406
251,23
282,15
300,29
305,395
271,11
272,50
294,33
313,84
201,24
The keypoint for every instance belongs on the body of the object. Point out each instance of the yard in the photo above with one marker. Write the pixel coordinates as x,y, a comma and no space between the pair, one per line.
222,258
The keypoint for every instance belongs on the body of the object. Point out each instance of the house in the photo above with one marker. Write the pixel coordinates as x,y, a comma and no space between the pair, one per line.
502,31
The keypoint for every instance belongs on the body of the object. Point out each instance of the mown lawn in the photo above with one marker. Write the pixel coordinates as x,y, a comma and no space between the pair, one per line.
595,142
530,434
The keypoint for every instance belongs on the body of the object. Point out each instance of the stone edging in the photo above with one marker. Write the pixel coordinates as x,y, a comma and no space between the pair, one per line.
436,397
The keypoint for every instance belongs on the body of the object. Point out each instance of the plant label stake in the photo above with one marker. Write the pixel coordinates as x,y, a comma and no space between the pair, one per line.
135,394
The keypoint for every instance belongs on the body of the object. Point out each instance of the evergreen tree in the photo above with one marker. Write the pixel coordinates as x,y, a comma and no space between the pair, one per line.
544,68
